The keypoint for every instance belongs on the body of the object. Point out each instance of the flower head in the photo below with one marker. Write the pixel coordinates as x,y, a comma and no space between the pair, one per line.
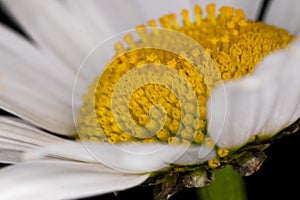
179,100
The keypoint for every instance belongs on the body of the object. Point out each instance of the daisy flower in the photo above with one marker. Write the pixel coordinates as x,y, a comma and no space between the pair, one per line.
177,99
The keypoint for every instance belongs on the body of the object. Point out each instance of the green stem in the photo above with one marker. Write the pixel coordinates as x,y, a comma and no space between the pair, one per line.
228,185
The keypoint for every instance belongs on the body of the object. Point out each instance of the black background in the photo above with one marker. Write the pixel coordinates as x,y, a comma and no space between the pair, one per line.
278,177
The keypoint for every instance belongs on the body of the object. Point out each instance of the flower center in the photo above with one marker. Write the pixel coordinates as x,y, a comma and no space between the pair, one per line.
235,44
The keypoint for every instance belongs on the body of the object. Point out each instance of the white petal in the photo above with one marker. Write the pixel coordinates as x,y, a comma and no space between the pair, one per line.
10,156
18,130
284,14
232,122
70,30
62,180
65,150
33,86
285,84
117,16
16,137
133,158
52,26
264,103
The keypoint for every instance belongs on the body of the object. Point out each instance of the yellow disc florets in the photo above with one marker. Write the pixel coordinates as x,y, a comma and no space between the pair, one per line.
235,44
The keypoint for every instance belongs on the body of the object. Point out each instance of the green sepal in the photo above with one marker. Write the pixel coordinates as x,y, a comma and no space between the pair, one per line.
173,180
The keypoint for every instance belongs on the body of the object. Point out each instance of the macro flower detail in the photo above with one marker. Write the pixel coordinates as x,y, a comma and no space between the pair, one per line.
229,41
177,100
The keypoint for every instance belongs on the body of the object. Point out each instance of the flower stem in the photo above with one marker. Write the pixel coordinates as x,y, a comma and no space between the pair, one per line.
228,185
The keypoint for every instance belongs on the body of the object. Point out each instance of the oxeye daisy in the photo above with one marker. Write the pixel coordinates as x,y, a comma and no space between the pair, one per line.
179,97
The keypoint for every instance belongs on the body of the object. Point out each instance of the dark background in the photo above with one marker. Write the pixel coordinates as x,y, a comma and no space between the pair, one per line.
278,177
